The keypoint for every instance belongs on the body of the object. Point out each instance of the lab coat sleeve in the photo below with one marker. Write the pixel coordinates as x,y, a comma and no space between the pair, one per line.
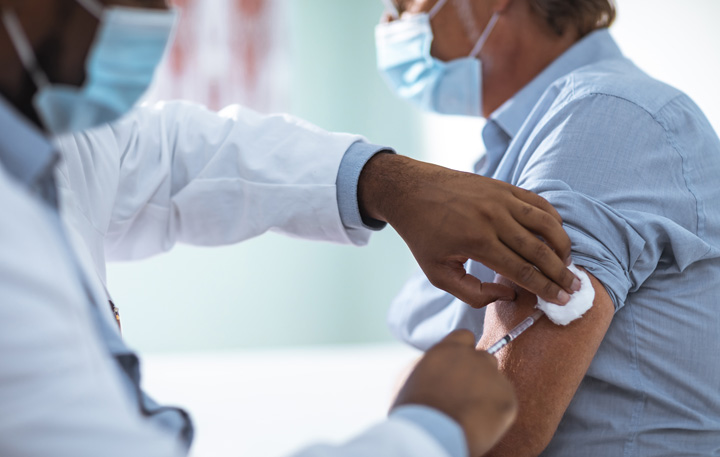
60,393
190,175
396,437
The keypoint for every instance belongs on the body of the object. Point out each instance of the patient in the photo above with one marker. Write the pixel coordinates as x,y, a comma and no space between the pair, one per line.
632,166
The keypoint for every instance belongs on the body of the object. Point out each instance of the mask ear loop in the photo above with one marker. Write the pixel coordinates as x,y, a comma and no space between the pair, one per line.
24,49
486,33
93,7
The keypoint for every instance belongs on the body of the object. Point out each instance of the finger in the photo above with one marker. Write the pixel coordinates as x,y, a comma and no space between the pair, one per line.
522,273
541,223
539,254
455,280
487,358
535,200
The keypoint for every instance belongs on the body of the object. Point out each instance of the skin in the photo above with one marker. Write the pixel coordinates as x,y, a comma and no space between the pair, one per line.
447,217
545,364
61,38
454,378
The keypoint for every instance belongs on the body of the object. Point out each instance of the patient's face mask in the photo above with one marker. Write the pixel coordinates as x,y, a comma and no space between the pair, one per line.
128,47
403,58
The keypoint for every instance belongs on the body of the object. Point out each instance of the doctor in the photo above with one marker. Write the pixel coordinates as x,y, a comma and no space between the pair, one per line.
178,173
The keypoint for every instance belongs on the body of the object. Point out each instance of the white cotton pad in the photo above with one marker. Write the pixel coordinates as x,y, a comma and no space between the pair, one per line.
579,303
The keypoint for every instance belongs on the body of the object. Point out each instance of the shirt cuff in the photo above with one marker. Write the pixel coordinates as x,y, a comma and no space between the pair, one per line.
352,164
441,427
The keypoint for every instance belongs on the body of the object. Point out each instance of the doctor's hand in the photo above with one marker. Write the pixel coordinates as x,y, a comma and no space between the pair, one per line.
447,217
466,385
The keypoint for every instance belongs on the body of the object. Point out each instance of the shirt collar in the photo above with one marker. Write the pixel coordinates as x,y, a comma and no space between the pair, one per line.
596,46
24,151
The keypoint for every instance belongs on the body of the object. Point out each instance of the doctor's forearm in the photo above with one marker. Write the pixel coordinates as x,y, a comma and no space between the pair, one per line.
381,185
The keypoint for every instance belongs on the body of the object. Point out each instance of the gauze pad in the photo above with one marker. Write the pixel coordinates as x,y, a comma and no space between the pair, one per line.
579,303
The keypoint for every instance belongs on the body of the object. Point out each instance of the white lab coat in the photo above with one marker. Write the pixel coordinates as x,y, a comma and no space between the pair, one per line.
167,174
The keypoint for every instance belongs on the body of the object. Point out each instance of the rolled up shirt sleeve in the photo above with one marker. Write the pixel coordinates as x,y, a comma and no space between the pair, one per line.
623,197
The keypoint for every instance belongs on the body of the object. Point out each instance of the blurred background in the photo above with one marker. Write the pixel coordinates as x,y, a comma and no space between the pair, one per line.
242,318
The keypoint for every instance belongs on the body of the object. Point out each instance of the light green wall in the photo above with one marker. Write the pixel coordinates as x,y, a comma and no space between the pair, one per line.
275,291
335,81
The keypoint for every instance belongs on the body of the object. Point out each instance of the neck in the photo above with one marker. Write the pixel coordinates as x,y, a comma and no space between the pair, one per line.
512,59
20,95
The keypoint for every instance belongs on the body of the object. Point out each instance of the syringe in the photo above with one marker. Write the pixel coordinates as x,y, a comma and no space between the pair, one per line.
514,333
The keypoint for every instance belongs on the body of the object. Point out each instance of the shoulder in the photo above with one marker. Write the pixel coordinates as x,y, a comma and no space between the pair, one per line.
611,109
614,110
620,83
615,95
605,130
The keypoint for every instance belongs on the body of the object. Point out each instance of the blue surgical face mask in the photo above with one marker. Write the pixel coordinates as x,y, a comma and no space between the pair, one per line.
403,58
128,47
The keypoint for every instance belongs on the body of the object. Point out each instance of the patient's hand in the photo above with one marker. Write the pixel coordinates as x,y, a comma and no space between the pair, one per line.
545,364
465,384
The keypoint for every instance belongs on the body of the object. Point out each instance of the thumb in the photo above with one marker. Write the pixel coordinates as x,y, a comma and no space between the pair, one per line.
456,281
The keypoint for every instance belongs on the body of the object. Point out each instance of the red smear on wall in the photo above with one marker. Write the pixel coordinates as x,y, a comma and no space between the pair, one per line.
226,52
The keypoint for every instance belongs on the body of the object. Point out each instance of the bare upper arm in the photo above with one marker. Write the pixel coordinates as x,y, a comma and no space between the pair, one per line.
545,364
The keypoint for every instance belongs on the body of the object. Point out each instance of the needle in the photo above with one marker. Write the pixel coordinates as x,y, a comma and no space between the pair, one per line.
514,333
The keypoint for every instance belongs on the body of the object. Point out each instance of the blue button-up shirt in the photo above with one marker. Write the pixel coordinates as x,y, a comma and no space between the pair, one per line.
632,166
